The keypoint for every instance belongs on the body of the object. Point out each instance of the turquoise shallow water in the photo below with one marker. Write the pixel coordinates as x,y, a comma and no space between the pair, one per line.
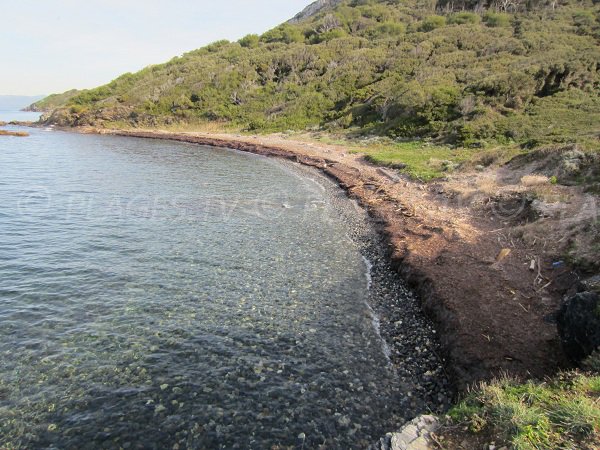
155,294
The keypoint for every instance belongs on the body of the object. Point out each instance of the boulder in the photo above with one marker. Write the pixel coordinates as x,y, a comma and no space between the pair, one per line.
415,435
579,325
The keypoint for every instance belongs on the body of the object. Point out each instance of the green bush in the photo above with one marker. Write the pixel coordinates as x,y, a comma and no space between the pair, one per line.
328,36
388,29
492,19
463,18
585,22
431,23
284,33
250,41
77,109
476,130
212,48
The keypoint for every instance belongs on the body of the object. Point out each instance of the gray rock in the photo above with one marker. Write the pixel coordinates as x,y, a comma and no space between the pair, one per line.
421,443
416,435
571,162
400,442
313,9
410,432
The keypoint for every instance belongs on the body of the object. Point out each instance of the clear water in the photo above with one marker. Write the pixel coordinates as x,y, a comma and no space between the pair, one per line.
166,295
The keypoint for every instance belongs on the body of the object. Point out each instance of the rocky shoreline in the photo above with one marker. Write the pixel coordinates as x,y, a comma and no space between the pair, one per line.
487,312
410,337
490,316
486,321
12,133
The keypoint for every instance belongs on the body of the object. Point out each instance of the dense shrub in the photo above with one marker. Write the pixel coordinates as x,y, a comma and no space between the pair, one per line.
328,36
493,19
463,18
283,33
250,41
388,29
385,68
431,23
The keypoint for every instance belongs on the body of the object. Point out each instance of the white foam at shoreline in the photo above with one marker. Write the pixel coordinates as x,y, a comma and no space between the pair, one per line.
374,318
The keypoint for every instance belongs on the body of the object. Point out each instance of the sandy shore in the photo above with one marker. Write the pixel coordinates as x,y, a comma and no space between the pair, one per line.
469,271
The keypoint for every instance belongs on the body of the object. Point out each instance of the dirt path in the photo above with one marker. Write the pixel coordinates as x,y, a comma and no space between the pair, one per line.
472,272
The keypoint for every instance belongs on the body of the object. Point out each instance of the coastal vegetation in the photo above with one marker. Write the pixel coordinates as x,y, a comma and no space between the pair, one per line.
458,74
562,412
53,101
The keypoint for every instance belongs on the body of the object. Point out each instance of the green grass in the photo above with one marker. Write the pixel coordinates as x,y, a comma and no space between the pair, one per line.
419,160
561,413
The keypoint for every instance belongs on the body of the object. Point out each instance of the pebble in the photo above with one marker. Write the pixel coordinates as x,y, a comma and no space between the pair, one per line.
409,335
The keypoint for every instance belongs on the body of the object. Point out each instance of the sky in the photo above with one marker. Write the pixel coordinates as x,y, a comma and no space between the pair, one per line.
51,46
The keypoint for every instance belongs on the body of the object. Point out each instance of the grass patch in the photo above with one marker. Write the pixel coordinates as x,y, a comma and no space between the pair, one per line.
417,159
420,160
561,413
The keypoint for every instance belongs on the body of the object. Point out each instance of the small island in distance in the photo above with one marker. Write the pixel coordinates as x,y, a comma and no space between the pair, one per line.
15,103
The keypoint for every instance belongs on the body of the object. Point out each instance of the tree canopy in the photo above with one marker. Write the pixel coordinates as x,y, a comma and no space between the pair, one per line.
459,72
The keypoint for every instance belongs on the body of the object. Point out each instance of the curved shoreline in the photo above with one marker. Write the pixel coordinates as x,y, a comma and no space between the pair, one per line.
408,337
459,289
294,338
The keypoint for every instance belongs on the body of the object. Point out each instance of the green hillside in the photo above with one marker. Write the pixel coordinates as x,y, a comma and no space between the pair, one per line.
458,72
53,101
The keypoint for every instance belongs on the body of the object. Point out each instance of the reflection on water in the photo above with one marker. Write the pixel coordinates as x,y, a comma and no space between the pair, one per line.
155,295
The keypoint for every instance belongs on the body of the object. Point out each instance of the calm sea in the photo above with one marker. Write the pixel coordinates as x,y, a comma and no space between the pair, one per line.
167,295
21,116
